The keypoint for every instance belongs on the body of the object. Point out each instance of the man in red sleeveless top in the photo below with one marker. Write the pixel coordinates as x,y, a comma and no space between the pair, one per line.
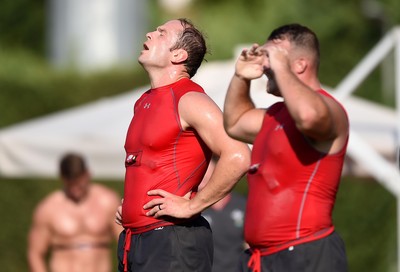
175,129
299,146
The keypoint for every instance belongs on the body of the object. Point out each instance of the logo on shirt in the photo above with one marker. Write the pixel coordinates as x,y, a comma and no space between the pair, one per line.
278,127
147,106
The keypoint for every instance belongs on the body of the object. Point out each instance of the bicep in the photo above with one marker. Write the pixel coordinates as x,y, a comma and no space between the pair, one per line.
206,119
248,126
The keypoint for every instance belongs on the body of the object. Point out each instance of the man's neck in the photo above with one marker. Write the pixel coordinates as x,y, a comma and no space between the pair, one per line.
163,77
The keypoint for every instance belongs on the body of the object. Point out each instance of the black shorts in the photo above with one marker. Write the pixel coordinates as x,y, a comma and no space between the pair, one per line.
324,255
186,248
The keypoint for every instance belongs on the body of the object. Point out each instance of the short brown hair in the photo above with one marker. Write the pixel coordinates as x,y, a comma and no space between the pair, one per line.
72,166
192,40
298,35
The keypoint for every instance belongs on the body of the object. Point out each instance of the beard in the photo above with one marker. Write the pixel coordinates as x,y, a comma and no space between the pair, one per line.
272,86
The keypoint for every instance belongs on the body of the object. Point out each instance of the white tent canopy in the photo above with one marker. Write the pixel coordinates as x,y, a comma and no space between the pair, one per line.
97,129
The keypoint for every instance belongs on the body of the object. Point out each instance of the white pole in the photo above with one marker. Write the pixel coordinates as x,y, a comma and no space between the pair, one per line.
365,66
396,34
398,232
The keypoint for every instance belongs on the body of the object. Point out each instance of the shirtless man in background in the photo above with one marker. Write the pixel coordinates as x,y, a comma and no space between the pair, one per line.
75,225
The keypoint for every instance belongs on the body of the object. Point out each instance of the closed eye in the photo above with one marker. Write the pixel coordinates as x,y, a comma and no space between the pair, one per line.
161,31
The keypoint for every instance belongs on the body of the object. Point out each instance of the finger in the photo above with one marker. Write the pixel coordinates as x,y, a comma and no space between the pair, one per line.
152,203
118,218
254,48
156,211
159,192
261,51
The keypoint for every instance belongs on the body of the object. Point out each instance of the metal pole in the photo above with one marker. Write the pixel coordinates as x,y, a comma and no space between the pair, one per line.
365,66
396,34
398,232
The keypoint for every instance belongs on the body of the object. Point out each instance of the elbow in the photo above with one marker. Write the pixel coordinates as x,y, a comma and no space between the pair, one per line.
241,159
228,126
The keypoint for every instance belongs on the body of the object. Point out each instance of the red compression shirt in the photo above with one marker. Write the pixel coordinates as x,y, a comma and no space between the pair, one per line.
160,154
292,186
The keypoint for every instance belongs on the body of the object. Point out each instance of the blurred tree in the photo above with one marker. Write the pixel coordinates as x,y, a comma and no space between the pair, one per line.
22,24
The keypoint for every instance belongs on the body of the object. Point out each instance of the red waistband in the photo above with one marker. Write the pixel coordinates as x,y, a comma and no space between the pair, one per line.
137,230
256,253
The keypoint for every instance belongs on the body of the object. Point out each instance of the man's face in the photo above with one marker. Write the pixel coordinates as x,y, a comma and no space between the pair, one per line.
78,188
272,86
156,50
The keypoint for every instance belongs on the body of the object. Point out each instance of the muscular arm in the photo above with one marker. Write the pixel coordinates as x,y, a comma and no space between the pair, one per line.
316,116
38,241
242,120
234,159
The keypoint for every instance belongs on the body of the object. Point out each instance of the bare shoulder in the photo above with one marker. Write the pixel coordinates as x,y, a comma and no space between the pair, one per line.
105,194
104,190
201,99
46,207
196,107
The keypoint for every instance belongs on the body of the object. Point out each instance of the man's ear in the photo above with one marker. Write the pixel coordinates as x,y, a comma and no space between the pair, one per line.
300,65
179,56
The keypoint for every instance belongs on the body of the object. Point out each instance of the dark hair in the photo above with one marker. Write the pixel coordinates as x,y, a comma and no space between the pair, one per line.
298,35
72,166
193,42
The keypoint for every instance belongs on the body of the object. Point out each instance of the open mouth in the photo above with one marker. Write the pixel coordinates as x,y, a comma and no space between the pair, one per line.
145,47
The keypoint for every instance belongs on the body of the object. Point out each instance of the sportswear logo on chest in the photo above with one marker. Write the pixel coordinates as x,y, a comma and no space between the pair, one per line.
278,127
147,106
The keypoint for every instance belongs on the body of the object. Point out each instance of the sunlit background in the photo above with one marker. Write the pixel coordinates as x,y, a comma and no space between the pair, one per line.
59,55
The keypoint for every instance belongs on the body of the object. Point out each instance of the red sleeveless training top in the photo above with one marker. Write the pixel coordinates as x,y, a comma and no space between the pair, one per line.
160,154
292,186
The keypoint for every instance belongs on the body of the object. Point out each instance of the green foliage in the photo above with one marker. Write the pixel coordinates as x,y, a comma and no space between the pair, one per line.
22,24
346,33
365,216
30,87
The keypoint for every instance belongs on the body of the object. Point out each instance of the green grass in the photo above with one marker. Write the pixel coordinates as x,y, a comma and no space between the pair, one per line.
365,216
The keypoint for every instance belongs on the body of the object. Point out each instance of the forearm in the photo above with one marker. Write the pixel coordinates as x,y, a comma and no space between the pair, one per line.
228,171
237,101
